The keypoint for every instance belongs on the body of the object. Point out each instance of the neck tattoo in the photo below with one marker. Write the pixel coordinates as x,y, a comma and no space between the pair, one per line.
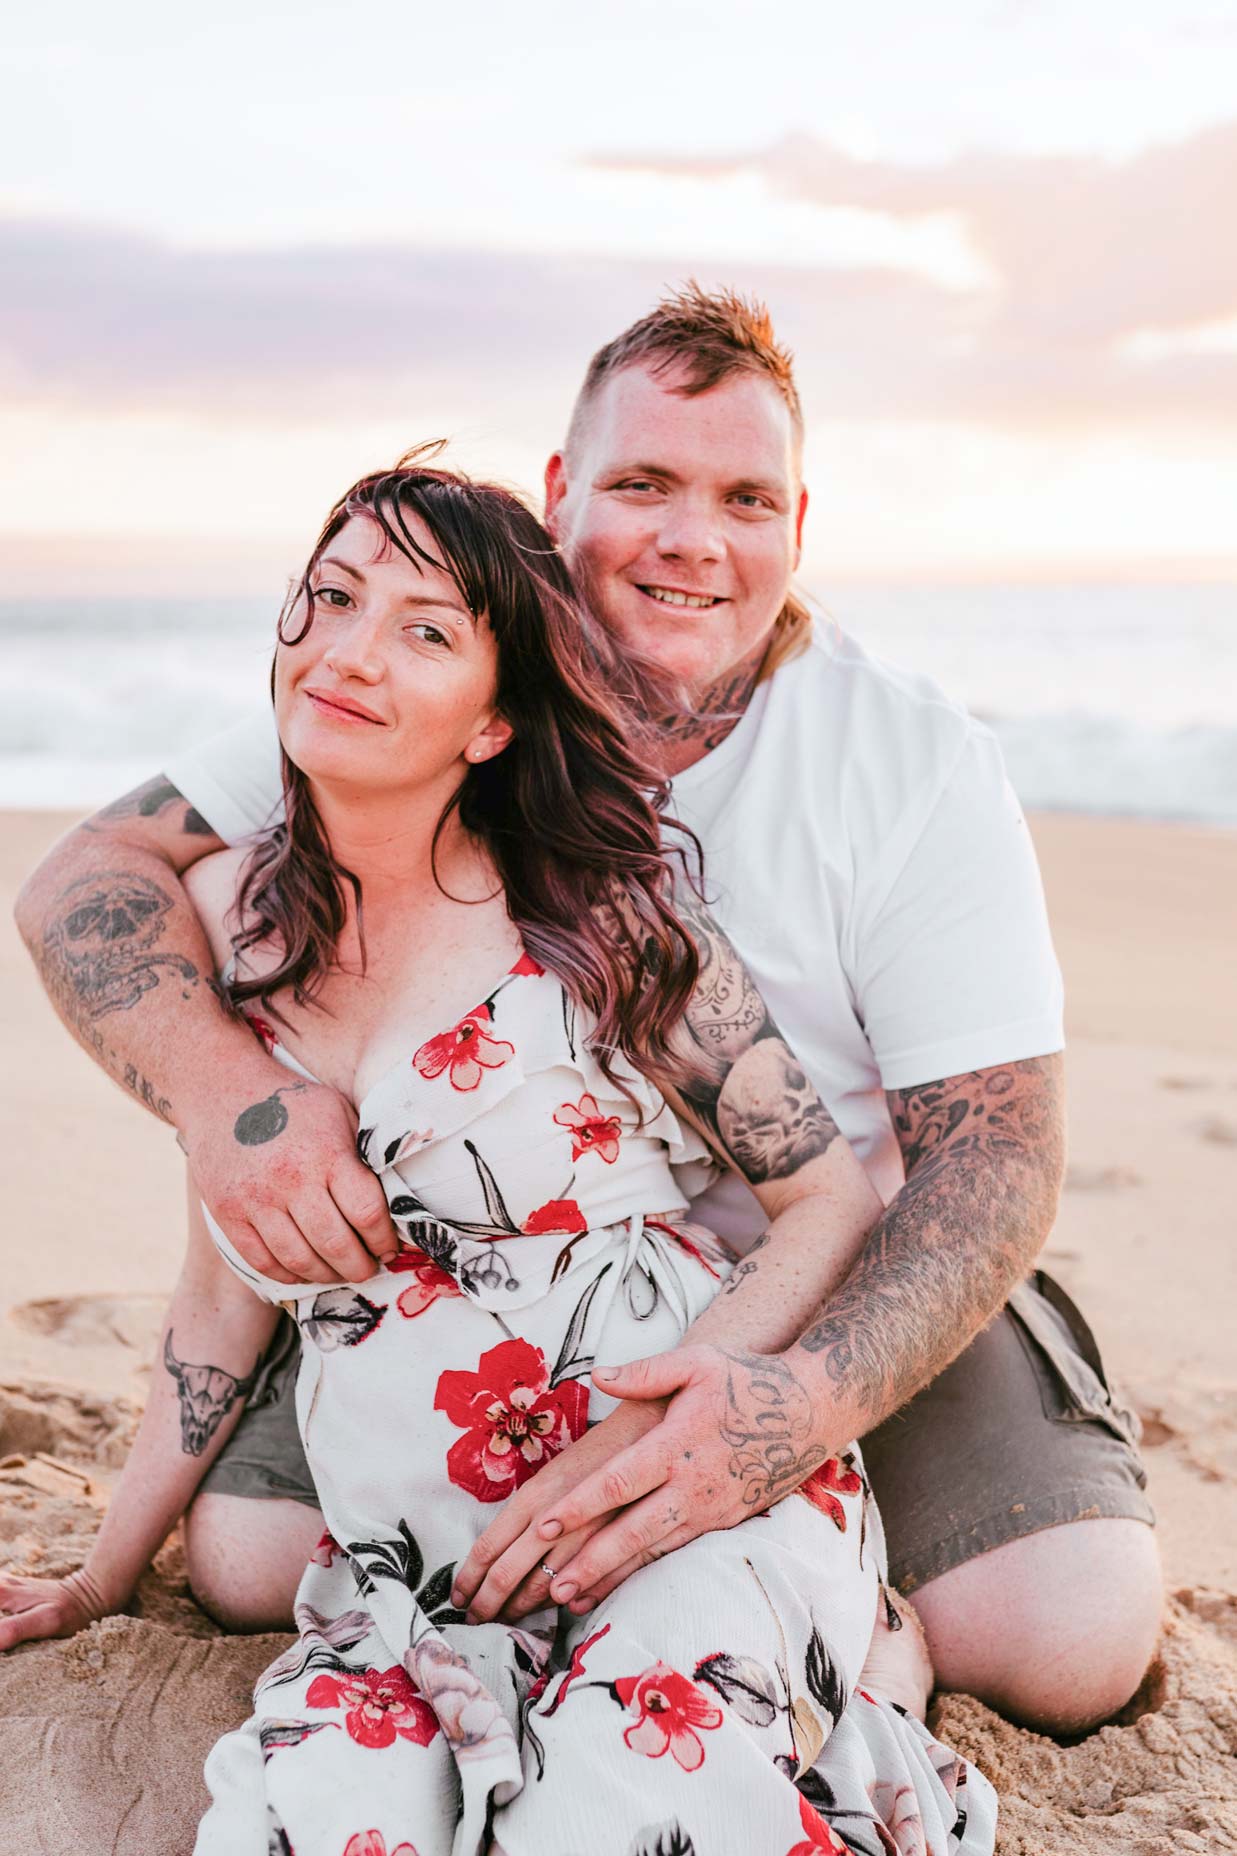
688,735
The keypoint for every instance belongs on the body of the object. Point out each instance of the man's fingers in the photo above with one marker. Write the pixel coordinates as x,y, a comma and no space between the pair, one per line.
333,1238
634,1472
286,1241
640,1533
656,1377
587,1601
363,1205
248,1245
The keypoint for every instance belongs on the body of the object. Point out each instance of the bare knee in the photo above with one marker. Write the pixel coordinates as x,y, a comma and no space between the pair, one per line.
245,1558
1054,1631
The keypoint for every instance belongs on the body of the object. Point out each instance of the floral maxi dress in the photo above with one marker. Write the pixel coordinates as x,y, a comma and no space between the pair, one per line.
709,1706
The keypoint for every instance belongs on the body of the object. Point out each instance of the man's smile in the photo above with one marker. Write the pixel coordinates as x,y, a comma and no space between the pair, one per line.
675,596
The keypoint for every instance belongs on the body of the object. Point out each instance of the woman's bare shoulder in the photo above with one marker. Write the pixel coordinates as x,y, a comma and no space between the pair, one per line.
211,885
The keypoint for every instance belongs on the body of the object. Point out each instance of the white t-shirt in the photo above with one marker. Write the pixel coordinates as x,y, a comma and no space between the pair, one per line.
864,850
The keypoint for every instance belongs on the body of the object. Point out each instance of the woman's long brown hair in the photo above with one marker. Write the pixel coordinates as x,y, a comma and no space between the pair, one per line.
571,812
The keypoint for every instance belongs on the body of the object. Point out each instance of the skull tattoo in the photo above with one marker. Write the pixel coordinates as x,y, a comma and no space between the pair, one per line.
102,942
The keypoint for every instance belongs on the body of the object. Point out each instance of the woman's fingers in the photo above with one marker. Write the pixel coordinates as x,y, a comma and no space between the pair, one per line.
533,1591
504,1530
36,1608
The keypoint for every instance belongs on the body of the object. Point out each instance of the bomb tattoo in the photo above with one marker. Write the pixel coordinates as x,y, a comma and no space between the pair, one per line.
264,1121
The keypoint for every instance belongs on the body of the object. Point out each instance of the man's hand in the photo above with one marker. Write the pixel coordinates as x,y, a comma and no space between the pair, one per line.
738,1434
278,1169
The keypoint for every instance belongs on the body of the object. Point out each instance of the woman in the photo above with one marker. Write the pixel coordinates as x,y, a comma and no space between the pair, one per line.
470,926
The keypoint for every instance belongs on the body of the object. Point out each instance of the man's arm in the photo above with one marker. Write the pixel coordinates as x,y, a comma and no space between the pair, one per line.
984,1156
127,966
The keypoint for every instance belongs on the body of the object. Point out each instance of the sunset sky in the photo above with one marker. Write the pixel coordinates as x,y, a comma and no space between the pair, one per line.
251,251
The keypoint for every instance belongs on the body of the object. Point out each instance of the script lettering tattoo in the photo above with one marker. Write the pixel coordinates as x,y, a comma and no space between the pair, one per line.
747,1267
98,953
768,1427
264,1121
984,1154
207,1394
145,1091
716,712
148,800
740,1078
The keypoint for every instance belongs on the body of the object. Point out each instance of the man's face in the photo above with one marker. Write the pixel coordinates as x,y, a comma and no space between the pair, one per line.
668,496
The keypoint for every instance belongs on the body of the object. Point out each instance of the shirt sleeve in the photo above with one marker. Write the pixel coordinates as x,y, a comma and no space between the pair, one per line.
954,966
234,779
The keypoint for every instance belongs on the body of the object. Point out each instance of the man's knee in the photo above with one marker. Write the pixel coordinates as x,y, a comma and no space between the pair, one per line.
1054,1630
245,1558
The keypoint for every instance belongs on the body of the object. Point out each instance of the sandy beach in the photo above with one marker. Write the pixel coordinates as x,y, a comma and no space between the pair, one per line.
104,1736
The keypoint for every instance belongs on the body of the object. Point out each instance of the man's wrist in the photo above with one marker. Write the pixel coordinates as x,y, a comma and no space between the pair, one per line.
837,1418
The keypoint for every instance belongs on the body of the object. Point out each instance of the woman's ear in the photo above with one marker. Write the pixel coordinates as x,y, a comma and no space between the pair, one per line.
490,740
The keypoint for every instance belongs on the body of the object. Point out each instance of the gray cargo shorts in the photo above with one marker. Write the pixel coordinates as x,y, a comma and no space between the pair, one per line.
1022,1432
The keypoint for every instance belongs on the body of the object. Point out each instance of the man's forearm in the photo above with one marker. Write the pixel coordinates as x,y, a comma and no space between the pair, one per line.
126,965
963,1231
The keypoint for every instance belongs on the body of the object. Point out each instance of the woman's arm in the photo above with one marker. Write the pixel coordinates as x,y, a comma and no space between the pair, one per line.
740,1429
212,1341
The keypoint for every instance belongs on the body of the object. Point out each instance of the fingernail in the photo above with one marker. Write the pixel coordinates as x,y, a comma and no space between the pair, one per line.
561,1592
550,1530
605,1372
457,1598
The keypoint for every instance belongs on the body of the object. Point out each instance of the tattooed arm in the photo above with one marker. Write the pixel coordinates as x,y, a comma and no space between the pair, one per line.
127,965
220,1326
984,1155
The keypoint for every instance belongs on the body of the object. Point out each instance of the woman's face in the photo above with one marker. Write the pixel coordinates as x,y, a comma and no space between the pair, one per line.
394,685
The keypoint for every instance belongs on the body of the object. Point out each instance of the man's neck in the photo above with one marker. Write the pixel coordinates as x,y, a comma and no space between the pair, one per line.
687,735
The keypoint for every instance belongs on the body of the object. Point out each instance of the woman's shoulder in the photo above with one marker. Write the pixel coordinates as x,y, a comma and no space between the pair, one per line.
211,885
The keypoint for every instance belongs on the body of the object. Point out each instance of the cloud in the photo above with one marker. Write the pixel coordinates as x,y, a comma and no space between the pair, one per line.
1086,254
106,318
1079,256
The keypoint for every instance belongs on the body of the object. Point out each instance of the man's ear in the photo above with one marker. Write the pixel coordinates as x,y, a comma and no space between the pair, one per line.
800,514
555,490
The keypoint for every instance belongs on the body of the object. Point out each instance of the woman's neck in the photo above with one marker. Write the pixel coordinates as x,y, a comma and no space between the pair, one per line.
387,840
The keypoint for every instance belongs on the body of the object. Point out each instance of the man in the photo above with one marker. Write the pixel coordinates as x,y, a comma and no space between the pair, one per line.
865,853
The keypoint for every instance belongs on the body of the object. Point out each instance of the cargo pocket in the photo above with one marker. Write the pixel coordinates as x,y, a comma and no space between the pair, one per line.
1073,1385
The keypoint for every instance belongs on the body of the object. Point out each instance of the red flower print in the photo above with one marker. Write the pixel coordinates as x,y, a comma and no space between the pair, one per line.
514,1421
591,1131
557,1215
820,1836
261,1029
527,968
671,1709
834,1477
466,1050
324,1554
575,1668
380,1703
430,1281
373,1843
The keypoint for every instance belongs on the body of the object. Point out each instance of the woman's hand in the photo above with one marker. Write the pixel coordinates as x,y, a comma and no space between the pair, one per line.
38,1608
738,1435
502,1576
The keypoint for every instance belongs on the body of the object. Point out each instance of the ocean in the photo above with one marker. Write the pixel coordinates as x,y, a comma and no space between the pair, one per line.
1113,699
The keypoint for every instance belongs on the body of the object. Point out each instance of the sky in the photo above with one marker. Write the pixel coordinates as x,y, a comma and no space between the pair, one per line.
250,254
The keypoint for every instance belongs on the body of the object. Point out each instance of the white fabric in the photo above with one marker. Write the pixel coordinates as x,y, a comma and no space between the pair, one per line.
865,851
705,1717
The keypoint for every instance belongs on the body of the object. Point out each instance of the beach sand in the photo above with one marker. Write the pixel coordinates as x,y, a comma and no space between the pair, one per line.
104,1736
